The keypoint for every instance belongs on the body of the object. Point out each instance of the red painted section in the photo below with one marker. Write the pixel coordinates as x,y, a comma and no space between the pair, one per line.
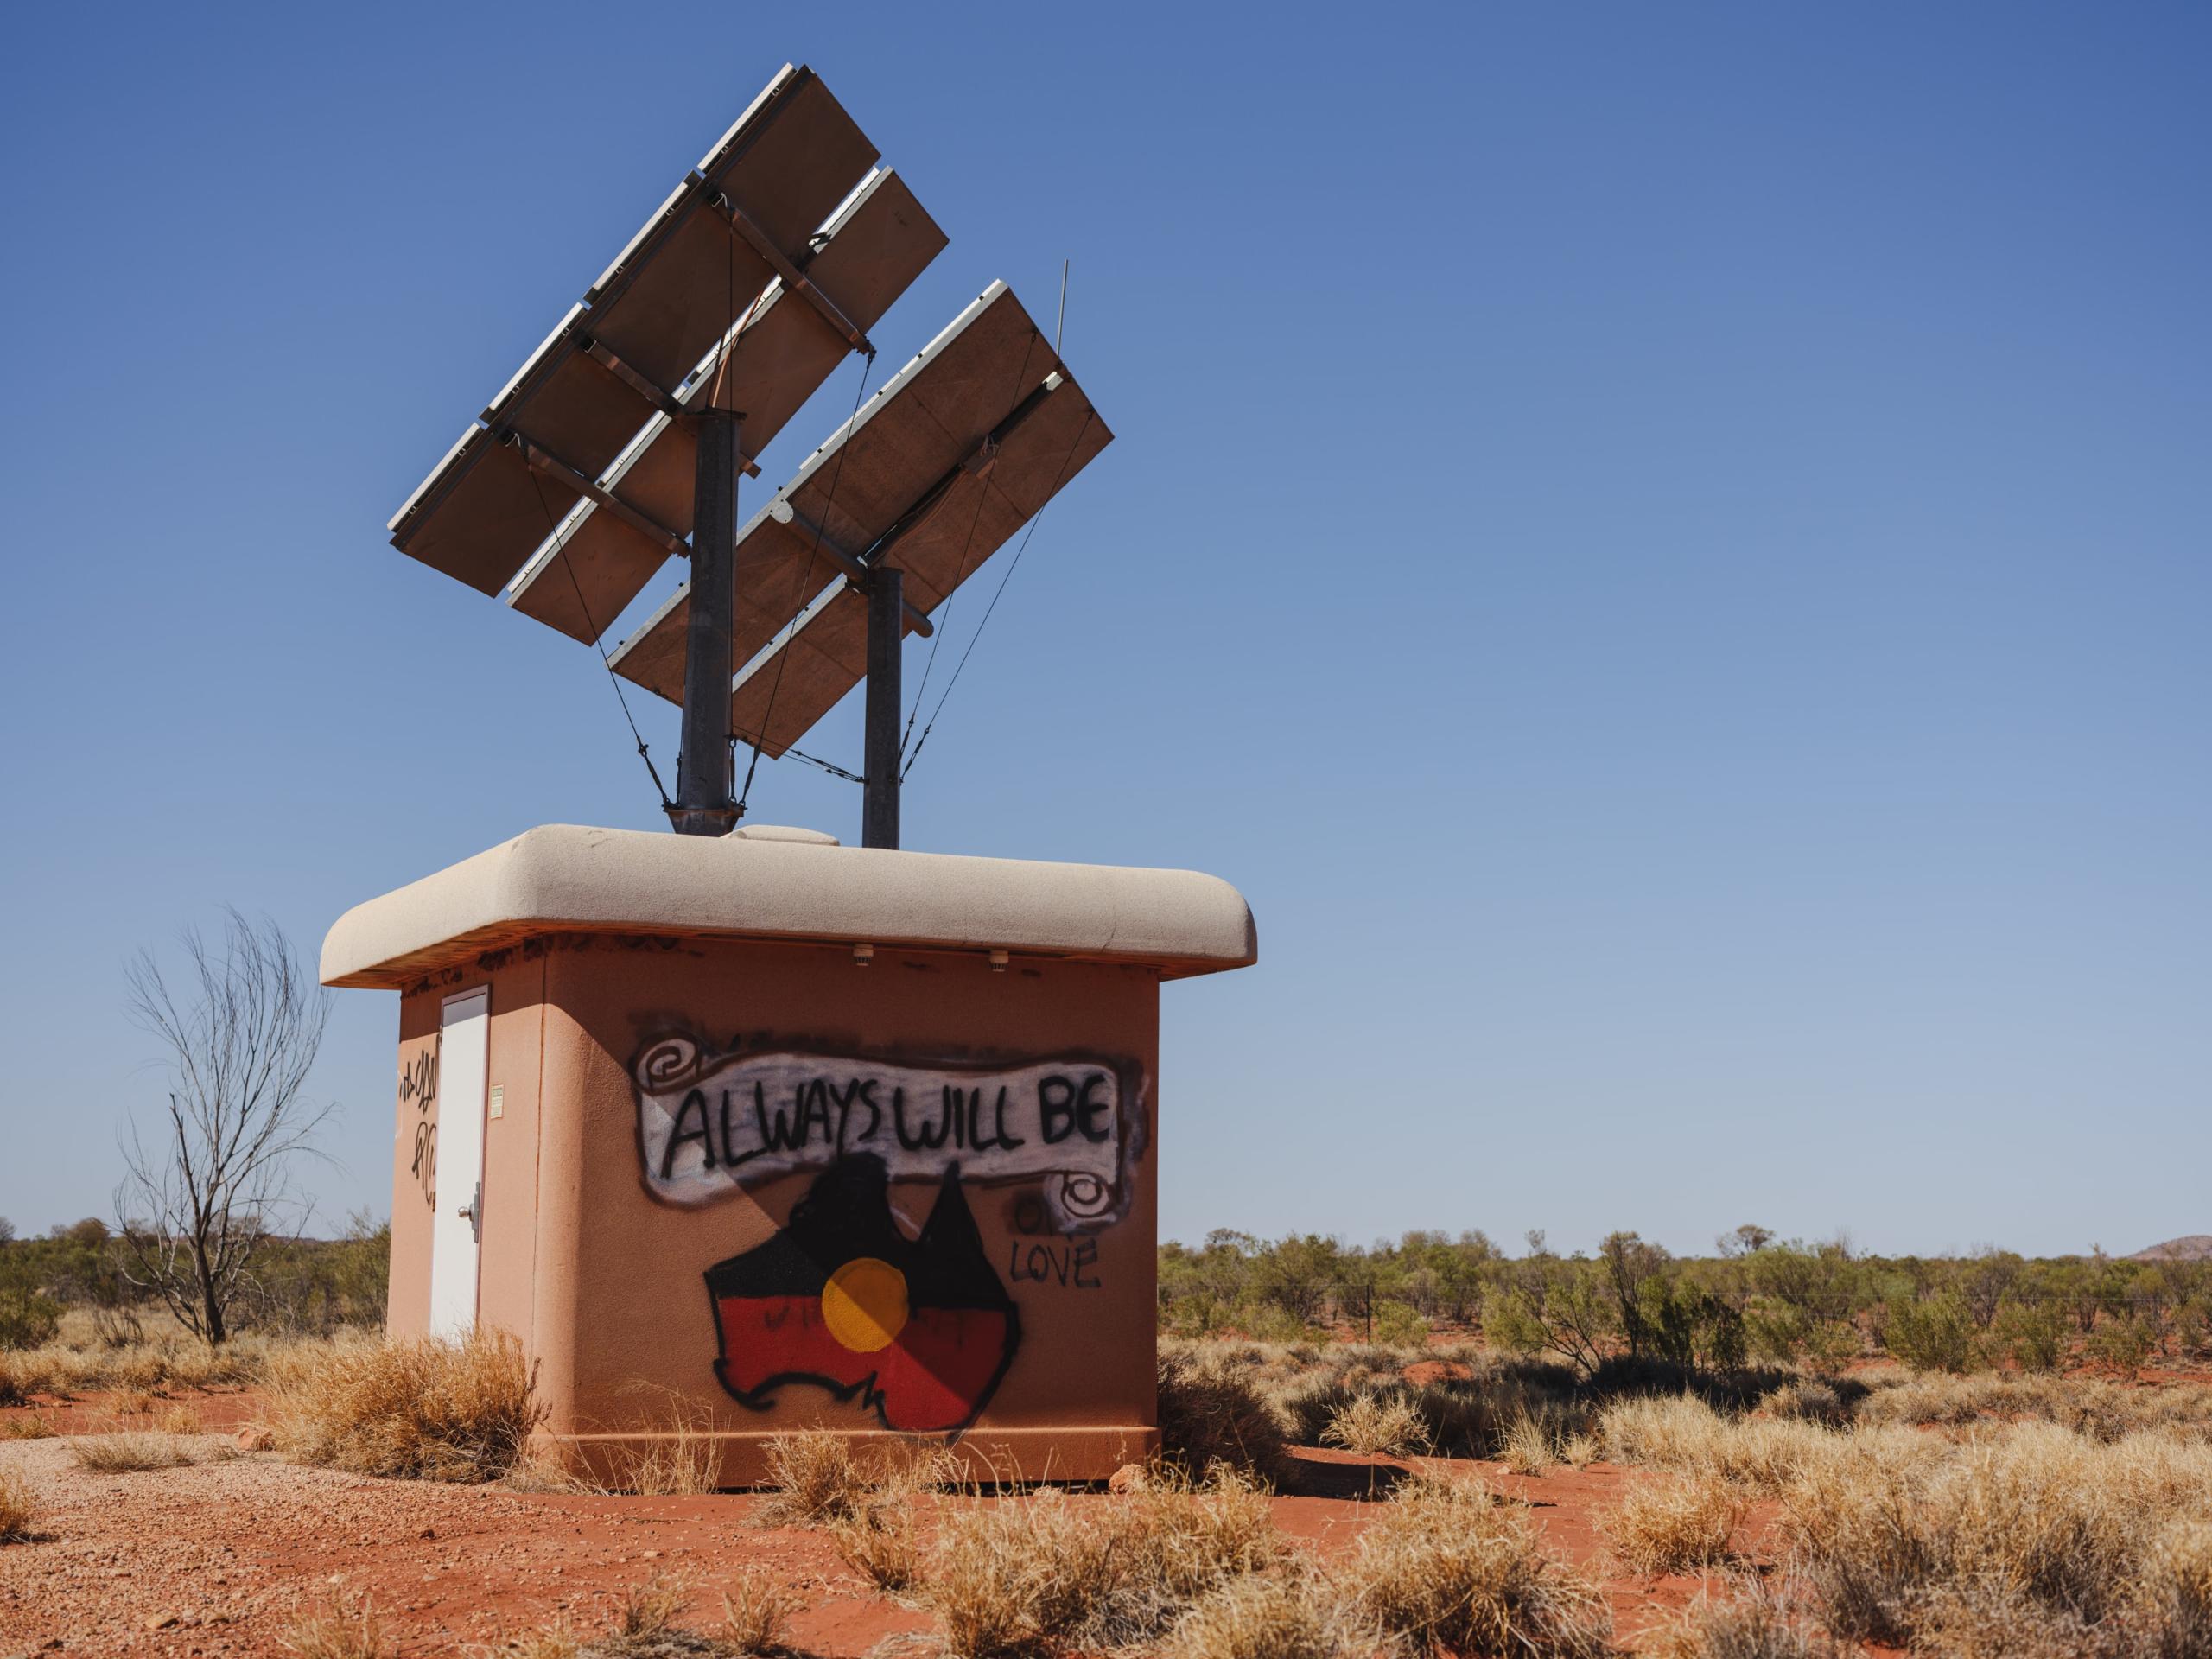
934,1377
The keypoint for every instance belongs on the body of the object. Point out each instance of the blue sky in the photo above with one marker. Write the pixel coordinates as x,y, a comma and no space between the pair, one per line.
1664,548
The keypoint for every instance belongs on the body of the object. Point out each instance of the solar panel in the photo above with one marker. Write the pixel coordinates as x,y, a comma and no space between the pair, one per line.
877,243
618,445
783,225
935,472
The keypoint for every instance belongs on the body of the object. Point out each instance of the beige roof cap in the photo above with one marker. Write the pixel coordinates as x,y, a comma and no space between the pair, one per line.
565,878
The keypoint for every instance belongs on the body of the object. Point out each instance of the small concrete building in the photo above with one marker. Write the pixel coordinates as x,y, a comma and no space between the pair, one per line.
759,1132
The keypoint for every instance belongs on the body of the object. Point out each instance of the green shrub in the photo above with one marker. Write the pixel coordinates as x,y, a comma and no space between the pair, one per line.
1399,1325
29,1316
1934,1335
2125,1342
1510,1325
2034,1334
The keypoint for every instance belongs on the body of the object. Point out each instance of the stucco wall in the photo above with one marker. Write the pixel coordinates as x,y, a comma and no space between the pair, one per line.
603,1272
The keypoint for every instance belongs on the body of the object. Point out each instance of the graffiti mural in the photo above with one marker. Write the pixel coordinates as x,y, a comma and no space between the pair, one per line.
710,1126
919,1329
418,1086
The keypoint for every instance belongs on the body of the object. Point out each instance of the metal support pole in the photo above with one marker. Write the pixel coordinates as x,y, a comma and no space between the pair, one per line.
703,805
886,616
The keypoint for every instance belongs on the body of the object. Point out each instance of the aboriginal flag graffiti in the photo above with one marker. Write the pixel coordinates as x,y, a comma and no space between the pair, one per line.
921,1330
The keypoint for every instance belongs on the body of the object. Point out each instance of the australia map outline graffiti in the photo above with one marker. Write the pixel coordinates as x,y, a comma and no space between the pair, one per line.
920,1330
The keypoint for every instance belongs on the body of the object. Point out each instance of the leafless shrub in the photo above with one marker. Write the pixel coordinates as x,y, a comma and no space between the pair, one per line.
202,1200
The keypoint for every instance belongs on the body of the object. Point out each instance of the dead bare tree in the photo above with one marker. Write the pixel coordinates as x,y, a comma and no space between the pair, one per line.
199,1203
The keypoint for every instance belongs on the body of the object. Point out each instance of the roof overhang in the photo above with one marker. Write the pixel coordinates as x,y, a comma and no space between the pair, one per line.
566,878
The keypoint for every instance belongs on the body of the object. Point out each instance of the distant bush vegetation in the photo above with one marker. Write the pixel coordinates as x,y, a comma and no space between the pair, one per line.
1757,1300
299,1286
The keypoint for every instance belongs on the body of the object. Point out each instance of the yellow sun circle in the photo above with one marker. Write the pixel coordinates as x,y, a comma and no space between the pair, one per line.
864,1304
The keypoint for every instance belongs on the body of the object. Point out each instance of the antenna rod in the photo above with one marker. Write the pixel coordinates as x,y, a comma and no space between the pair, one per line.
1061,326
886,616
704,806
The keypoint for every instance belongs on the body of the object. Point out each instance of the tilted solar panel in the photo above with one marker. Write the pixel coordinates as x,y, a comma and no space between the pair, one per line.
879,241
933,474
757,231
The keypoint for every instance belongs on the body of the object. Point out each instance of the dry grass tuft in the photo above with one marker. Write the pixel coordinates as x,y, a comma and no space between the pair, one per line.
881,1546
1580,1451
2098,1408
1808,1400
1447,1567
2031,1535
755,1613
18,1507
340,1630
643,1625
683,1465
649,1609
555,1641
1676,1523
1989,1619
1210,1414
1274,1616
1667,1432
129,1453
1044,1573
2174,1589
1756,1624
1529,1447
414,1408
33,1427
1683,1433
179,1420
816,1479
1377,1426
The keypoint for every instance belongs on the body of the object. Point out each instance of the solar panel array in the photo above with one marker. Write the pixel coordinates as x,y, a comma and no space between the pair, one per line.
762,271
931,476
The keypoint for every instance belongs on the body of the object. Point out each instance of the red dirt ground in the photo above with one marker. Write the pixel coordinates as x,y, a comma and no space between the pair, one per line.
217,1559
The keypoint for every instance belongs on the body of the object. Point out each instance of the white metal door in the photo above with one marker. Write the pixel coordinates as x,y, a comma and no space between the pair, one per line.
457,1221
